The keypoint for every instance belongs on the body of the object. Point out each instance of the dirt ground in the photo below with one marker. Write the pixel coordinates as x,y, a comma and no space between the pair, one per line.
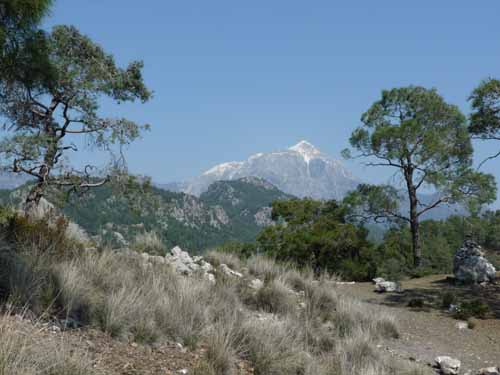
115,357
431,331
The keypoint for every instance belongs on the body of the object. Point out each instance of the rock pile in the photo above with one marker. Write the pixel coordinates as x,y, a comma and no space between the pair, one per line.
470,265
184,264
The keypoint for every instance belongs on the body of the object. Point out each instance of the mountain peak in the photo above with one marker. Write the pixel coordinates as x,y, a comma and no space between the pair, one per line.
306,149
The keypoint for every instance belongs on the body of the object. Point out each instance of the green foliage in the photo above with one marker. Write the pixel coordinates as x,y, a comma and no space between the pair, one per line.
416,303
485,117
426,141
471,309
315,234
448,299
23,55
39,118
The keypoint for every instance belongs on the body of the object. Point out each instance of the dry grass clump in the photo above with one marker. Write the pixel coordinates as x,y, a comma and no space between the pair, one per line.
23,351
264,268
297,280
275,297
216,258
274,346
149,242
126,299
320,299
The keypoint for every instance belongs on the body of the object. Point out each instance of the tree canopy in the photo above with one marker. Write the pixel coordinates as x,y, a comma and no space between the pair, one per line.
42,120
485,117
426,141
316,234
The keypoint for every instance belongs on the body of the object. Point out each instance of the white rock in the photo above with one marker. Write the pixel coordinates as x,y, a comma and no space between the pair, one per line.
448,365
489,371
386,286
228,271
462,325
256,284
209,277
205,266
183,371
378,280
470,265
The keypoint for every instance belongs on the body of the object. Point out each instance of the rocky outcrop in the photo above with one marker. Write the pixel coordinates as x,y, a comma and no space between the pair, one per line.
470,265
184,264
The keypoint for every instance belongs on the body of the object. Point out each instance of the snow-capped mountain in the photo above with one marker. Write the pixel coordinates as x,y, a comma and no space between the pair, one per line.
302,171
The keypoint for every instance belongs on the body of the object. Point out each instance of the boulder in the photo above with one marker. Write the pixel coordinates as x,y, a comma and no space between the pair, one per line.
386,286
378,280
470,265
448,365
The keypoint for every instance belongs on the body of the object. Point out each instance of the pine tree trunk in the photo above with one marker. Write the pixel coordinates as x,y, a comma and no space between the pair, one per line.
33,198
415,230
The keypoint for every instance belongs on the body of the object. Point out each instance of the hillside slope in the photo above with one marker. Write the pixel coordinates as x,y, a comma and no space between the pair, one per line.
229,210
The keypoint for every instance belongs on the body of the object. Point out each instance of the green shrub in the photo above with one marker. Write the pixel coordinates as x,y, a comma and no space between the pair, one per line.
416,303
472,309
471,323
448,299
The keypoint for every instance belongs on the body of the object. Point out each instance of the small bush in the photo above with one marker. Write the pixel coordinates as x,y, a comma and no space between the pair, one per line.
471,323
416,303
448,299
472,309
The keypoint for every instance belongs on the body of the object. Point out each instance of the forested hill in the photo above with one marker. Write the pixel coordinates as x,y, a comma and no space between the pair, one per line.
229,210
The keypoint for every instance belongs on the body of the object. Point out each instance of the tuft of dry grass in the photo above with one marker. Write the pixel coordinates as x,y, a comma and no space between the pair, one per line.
216,258
275,297
264,268
23,351
149,242
274,346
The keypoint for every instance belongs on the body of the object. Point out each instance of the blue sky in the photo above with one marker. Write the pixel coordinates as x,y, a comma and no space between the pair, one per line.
232,78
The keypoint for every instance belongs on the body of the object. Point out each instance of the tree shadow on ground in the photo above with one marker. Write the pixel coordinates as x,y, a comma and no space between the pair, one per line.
431,295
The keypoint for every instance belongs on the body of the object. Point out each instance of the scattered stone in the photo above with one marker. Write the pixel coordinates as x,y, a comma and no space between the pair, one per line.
228,271
489,371
448,365
256,284
462,325
470,266
209,277
183,371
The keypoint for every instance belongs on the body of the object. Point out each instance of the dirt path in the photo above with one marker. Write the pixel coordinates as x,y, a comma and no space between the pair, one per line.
430,331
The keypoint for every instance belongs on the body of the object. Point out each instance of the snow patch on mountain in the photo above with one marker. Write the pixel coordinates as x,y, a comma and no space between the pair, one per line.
301,170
